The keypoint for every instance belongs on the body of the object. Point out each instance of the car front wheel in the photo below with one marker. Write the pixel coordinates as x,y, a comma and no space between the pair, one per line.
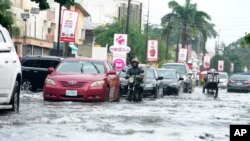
15,98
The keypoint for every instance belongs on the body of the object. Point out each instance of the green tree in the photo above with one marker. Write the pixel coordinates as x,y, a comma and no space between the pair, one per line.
136,39
43,4
5,14
246,41
190,21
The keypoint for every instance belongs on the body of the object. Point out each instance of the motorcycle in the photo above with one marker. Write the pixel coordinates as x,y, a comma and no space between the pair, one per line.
211,84
134,88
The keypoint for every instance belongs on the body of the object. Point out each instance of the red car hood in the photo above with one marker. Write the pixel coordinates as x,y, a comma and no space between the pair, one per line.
77,77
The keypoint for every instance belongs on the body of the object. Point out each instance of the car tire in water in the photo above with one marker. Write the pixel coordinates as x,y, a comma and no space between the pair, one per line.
107,94
15,99
28,87
216,93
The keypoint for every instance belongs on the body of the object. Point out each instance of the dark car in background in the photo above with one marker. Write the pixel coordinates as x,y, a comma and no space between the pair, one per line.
35,70
183,70
170,85
150,82
239,83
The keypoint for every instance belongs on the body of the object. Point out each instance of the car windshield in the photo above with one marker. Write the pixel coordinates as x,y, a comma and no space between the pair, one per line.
240,77
150,74
223,76
179,68
166,74
78,67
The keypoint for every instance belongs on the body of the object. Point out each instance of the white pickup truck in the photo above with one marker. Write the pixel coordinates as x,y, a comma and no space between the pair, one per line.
10,73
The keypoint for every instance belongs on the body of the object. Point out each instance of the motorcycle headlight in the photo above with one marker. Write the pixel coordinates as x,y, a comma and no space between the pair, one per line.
50,81
131,80
97,84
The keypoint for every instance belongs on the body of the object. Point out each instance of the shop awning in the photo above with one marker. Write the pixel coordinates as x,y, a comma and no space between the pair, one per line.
73,48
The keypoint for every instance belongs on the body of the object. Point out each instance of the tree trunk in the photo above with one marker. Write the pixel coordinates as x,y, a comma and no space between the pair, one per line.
184,36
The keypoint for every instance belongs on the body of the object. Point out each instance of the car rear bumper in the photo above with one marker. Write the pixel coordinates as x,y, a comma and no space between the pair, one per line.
222,85
238,88
83,94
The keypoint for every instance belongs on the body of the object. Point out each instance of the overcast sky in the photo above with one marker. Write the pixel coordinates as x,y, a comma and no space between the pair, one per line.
231,17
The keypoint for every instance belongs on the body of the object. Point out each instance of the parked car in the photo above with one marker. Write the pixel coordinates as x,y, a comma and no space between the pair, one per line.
223,80
82,79
150,82
183,70
10,73
171,83
35,70
239,82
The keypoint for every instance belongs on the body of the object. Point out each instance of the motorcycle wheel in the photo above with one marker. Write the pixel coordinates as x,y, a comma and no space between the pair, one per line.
216,93
129,95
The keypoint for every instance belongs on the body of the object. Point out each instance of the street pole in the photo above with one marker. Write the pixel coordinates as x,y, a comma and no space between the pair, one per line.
58,35
147,30
177,47
128,14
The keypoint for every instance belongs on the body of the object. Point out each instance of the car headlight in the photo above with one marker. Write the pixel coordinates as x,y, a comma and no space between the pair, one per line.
50,81
131,80
97,84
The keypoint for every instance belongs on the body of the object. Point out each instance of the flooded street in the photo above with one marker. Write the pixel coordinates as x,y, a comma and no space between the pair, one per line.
187,117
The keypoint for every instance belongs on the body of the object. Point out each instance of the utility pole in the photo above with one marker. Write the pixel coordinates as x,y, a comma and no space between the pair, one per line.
147,30
177,47
59,32
128,14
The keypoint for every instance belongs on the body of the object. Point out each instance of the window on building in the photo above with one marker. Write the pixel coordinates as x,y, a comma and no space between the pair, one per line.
83,33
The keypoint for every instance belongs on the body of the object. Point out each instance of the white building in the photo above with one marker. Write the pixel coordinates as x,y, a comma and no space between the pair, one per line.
103,11
39,32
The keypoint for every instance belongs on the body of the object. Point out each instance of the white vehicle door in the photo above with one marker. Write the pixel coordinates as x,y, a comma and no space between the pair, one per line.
6,64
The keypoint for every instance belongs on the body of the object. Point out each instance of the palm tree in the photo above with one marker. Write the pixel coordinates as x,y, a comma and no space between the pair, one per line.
191,22
167,23
5,14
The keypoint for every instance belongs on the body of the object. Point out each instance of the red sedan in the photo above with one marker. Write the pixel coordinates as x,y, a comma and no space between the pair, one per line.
82,79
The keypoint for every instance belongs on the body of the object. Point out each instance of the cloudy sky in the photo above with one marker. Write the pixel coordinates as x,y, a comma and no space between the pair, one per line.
230,16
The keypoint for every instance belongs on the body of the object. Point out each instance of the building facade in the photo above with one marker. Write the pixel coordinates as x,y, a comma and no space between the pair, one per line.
135,16
38,29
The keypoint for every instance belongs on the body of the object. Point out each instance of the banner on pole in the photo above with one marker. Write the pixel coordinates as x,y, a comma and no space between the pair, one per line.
182,56
152,51
206,62
220,65
68,26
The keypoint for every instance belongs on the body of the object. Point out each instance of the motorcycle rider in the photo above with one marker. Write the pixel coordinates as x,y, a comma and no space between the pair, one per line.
206,79
135,70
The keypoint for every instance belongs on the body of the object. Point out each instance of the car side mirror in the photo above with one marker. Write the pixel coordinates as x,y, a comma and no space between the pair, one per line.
160,78
181,79
51,70
111,72
5,47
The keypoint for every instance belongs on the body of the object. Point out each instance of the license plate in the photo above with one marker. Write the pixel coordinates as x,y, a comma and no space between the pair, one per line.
238,83
71,92
149,85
